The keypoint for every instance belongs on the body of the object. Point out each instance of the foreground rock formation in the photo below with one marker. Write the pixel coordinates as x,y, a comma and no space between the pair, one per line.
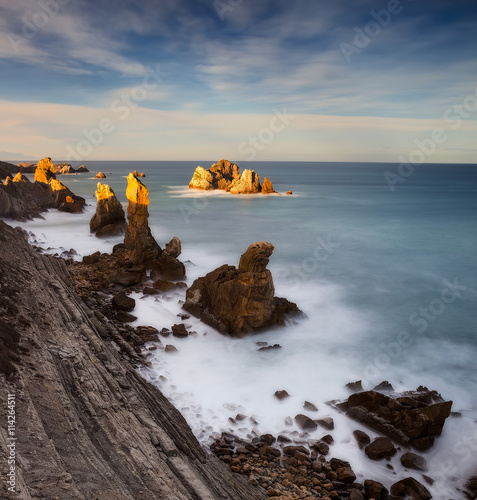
226,176
237,301
109,218
140,243
412,418
21,199
87,425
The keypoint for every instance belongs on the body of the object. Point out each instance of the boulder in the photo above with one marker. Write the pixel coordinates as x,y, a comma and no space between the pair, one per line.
281,394
309,406
168,268
92,259
180,330
122,302
82,168
100,175
63,168
413,461
109,216
237,301
361,438
140,243
381,447
373,489
410,418
173,248
305,423
267,187
249,183
410,488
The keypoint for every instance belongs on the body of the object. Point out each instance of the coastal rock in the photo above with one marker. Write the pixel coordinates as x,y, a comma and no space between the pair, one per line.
82,168
381,447
27,167
100,175
92,427
413,461
224,172
249,183
305,423
45,171
410,418
109,217
63,168
237,301
361,438
65,199
202,179
140,243
373,489
267,187
122,302
7,169
168,268
410,488
281,394
173,248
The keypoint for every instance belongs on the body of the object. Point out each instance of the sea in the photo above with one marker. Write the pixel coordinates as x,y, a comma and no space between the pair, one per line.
383,265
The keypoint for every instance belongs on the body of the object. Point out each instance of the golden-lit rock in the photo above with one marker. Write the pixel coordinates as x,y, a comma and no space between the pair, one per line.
249,183
44,171
109,218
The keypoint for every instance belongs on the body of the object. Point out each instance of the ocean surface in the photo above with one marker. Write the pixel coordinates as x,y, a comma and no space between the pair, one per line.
387,279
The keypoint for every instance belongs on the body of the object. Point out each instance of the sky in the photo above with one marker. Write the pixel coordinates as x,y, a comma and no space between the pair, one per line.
267,80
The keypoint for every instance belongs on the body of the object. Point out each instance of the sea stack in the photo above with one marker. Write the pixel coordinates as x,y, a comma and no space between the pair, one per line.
140,244
238,301
109,218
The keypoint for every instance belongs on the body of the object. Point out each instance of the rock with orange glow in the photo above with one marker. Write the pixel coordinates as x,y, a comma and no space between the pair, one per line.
249,183
140,244
109,218
45,171
267,187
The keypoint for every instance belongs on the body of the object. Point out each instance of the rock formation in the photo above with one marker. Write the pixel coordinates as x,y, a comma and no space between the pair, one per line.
109,218
140,243
237,301
226,176
411,418
88,425
45,171
63,168
100,175
82,168
249,183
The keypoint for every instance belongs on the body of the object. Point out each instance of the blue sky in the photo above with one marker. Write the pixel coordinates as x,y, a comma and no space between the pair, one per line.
306,80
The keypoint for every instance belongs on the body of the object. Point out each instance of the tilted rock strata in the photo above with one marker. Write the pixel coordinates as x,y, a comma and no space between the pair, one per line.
88,425
237,301
109,218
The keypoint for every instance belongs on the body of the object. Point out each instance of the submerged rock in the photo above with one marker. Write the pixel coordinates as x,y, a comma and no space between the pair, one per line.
237,301
109,217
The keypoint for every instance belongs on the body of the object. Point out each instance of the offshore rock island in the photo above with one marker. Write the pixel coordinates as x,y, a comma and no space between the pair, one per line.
225,176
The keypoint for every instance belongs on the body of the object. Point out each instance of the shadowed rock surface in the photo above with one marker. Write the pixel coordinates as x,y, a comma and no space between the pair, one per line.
88,425
237,301
109,218
410,418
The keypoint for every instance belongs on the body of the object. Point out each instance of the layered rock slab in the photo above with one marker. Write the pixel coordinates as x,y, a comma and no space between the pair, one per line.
237,301
109,218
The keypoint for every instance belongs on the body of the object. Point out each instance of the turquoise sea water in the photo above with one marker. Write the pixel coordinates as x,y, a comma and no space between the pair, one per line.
387,278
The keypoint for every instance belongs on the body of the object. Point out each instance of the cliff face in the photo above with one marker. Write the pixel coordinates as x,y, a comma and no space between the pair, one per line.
88,426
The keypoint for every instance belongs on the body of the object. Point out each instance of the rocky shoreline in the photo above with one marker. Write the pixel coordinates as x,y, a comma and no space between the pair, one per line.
141,447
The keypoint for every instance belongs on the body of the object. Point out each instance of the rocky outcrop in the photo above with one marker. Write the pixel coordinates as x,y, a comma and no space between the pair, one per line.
109,218
226,176
45,171
249,183
410,418
82,168
88,426
7,169
26,167
267,187
63,168
100,175
237,301
141,245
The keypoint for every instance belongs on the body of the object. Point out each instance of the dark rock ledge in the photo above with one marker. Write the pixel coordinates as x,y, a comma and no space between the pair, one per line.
88,426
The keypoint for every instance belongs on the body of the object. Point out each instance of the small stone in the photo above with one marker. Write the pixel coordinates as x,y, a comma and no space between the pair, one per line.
355,386
180,331
413,461
281,394
91,259
373,489
410,487
361,438
170,348
326,422
309,406
305,423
